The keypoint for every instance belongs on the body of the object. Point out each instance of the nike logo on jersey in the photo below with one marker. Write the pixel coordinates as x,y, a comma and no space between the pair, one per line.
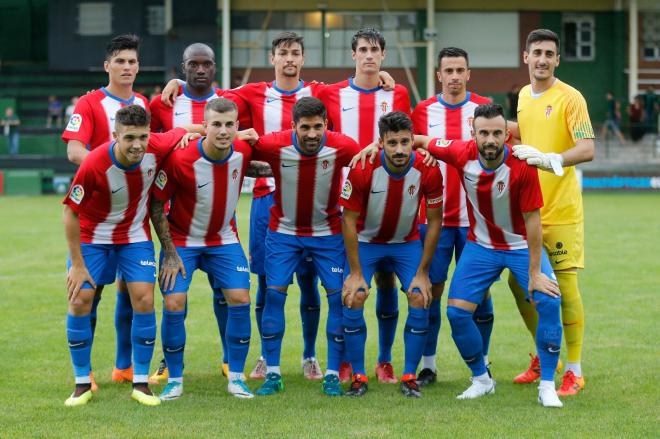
199,186
378,192
469,179
269,100
181,113
433,125
346,109
288,166
117,190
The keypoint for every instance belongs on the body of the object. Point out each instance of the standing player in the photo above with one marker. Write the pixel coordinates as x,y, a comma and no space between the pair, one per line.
204,183
381,205
354,108
449,116
553,117
505,232
92,125
106,212
307,162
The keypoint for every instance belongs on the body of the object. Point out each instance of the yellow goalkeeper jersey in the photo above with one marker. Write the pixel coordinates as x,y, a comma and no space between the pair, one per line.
554,122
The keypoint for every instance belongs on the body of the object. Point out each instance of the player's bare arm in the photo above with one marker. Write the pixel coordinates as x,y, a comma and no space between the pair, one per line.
583,151
171,264
257,169
185,140
370,151
78,273
249,135
537,280
76,151
421,279
355,280
170,92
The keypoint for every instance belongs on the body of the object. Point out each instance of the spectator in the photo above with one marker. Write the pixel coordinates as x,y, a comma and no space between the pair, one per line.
155,92
636,115
70,108
612,119
10,124
512,101
650,110
54,112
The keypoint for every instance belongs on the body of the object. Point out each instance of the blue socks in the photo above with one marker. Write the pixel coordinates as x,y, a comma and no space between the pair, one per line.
79,336
483,317
123,319
260,302
92,315
414,338
435,319
310,312
238,336
548,334
272,326
173,335
355,338
467,338
143,336
387,311
334,332
220,311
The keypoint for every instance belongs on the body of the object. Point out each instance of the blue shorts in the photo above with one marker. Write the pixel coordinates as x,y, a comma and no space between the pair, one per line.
259,218
451,243
284,252
403,259
226,265
306,265
479,267
135,261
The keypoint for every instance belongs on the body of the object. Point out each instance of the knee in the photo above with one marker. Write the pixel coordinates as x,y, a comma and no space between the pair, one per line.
143,302
242,298
175,302
545,304
415,300
81,305
358,300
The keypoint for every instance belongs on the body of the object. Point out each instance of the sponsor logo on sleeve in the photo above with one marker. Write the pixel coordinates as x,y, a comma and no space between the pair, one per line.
74,123
443,143
77,194
347,190
161,179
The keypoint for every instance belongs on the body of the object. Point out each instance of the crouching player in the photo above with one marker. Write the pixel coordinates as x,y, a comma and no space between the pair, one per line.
204,183
106,211
381,205
504,198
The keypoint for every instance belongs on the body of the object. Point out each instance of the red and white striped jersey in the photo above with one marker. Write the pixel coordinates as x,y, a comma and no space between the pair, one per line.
271,110
93,119
354,111
307,185
204,194
389,203
436,118
188,110
112,200
497,198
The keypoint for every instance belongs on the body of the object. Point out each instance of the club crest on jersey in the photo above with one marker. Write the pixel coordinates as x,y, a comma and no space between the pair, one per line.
347,190
548,111
384,107
500,186
161,179
325,165
74,123
234,174
411,190
443,143
77,194
150,172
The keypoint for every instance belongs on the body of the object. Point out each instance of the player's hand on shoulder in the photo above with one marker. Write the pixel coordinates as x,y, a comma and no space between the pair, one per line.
543,284
550,162
353,284
386,81
429,160
187,138
170,92
250,136
369,151
75,279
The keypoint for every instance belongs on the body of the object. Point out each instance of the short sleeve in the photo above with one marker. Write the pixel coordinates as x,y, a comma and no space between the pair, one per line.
352,194
577,117
163,143
244,116
267,147
165,182
82,188
156,115
402,100
81,123
433,187
449,151
531,197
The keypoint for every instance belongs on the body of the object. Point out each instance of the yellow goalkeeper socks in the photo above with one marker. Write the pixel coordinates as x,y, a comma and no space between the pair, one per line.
572,314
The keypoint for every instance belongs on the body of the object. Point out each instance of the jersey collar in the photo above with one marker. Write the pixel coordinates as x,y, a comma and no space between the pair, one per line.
301,84
123,101
295,145
402,174
454,106
215,162
202,99
362,90
116,162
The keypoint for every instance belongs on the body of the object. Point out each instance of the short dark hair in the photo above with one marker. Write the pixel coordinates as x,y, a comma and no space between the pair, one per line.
453,52
220,105
286,39
371,35
132,115
538,35
122,42
488,111
394,122
308,107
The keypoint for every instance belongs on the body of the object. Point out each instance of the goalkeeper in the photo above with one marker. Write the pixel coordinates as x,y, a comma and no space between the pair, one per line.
553,117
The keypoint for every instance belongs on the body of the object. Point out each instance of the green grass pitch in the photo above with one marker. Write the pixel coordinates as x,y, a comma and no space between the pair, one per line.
621,361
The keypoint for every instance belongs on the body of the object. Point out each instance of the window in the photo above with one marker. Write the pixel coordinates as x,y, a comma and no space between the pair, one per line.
95,19
578,37
156,20
651,36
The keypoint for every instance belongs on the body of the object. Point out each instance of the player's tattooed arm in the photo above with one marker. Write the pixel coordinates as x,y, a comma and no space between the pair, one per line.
78,273
258,169
171,263
537,280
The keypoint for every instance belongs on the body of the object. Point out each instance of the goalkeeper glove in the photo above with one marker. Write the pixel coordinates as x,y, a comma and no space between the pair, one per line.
550,162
